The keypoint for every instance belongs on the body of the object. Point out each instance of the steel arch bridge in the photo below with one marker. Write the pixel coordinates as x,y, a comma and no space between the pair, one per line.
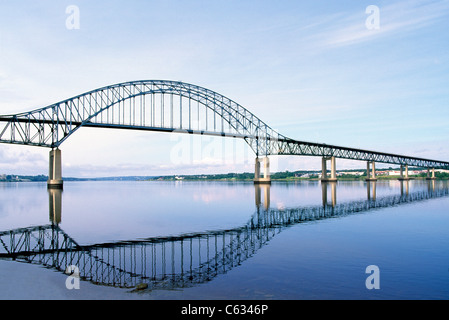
173,106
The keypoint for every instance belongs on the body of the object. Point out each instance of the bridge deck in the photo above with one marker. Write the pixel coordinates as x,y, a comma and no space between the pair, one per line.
151,105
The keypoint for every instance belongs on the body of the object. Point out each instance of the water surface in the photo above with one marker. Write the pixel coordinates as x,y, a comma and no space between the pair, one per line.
225,240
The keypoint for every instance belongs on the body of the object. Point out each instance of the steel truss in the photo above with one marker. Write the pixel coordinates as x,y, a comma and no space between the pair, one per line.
176,261
171,106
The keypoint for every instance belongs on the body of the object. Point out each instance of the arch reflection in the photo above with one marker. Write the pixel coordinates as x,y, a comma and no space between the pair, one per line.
175,261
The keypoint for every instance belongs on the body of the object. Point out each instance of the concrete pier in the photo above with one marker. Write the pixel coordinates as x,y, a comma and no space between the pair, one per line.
371,177
324,176
433,174
266,179
402,176
55,170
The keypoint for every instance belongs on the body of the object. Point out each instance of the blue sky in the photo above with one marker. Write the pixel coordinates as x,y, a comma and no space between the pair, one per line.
310,69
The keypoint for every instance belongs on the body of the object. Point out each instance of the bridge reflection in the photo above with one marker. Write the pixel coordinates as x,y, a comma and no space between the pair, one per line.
185,260
55,205
333,193
371,190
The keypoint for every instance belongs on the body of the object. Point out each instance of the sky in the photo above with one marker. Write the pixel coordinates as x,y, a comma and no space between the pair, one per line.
363,74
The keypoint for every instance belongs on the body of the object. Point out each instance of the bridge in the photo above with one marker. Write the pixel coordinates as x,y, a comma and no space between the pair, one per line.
178,107
185,260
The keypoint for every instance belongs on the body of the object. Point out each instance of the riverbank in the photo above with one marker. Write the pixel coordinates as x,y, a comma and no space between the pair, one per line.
288,176
347,175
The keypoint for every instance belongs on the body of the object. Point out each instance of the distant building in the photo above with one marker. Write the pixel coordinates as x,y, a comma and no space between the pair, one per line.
353,173
393,173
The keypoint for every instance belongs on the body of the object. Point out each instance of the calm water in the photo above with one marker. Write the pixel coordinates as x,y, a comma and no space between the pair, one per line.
223,240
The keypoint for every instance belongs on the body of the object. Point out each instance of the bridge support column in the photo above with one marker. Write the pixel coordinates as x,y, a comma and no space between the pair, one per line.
55,170
324,177
371,177
433,175
266,179
402,177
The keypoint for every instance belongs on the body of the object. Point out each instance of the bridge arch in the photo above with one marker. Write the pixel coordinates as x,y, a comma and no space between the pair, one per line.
155,105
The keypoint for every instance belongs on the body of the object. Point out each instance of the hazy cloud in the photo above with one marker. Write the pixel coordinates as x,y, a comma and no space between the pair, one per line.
18,160
396,18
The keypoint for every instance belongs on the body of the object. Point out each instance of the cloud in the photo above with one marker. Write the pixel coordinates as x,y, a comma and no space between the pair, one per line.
396,18
20,160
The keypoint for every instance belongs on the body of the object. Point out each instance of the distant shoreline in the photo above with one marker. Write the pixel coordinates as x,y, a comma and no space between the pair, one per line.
344,175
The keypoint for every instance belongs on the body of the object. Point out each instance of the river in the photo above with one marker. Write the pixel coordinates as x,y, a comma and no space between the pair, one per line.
225,240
